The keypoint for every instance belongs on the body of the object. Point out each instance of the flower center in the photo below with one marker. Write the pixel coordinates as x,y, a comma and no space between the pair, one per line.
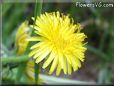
59,41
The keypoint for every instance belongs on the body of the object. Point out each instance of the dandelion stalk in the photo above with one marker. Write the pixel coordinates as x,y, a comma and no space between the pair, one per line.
37,12
14,59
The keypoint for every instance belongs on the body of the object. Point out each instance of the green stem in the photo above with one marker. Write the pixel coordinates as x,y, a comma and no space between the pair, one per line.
14,59
36,74
38,8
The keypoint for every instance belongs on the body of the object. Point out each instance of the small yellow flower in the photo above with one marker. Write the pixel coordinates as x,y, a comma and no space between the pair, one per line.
21,37
30,72
59,43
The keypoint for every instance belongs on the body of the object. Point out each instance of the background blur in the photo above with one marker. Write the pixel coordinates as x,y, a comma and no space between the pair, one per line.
98,25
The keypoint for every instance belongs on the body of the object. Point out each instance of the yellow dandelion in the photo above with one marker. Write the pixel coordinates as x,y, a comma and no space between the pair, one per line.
59,43
22,34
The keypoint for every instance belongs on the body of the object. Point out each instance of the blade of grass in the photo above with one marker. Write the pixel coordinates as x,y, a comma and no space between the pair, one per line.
38,8
37,12
102,42
111,42
99,53
5,8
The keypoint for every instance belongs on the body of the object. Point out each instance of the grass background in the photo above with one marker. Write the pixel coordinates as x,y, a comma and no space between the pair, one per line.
98,25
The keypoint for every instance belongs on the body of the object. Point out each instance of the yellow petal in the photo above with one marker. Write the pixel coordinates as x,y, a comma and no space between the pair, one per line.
22,29
38,45
54,64
75,67
78,62
68,59
35,27
40,52
80,56
22,37
30,63
41,57
43,34
69,68
62,61
42,46
33,52
49,59
65,66
58,69
34,39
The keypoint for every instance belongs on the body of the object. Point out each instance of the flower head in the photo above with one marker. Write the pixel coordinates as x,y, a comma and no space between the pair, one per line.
22,34
59,43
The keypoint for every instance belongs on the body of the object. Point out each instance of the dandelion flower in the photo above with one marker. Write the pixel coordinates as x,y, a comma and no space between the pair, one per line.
59,43
22,34
21,42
